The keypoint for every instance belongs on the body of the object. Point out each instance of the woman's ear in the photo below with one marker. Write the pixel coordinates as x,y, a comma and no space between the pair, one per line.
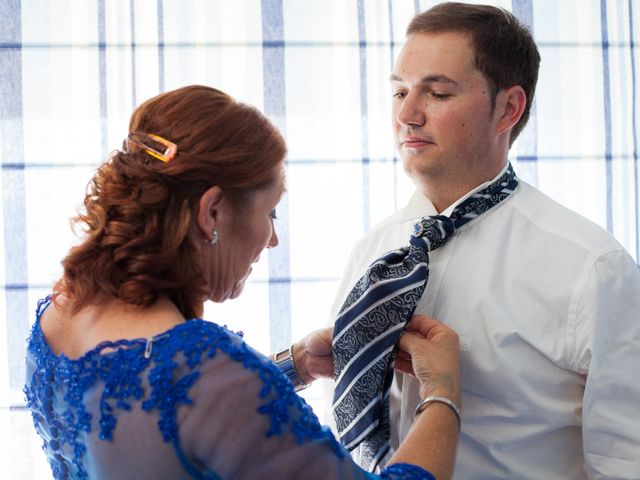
510,105
208,210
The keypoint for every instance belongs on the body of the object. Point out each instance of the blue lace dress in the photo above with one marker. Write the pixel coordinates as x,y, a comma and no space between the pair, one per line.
193,402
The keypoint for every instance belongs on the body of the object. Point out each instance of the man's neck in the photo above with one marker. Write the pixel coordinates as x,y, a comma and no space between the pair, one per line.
444,192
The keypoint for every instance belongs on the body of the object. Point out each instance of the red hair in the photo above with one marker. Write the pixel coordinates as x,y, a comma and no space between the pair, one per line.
138,210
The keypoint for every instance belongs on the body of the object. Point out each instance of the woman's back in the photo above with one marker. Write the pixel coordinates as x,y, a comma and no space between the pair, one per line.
180,405
74,333
83,381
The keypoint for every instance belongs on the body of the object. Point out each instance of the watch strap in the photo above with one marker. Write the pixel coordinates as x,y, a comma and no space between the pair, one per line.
284,361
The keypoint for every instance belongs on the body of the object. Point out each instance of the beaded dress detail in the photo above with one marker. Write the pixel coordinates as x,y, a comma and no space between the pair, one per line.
193,402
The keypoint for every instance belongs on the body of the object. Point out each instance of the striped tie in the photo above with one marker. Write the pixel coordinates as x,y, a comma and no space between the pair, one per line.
373,317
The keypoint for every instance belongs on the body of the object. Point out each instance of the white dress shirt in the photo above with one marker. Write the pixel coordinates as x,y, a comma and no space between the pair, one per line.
547,308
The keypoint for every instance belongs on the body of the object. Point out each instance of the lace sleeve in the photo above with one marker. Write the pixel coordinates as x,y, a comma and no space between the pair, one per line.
247,422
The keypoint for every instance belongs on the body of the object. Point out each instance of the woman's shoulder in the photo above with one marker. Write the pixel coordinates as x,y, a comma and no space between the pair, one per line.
70,397
245,371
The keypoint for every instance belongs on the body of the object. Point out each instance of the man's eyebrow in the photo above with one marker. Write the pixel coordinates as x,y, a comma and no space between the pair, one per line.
428,79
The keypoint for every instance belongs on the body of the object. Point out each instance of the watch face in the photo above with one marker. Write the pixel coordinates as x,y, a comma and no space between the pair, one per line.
284,361
282,355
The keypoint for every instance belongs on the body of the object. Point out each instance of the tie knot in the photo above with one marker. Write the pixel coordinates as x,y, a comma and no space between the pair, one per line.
432,232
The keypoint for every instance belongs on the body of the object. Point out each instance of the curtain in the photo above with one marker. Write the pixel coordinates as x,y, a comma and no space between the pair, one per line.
71,72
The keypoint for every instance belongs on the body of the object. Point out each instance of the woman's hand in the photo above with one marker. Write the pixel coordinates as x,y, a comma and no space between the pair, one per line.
313,355
429,350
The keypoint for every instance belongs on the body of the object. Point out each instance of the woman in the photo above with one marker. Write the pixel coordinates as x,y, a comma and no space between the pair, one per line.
124,379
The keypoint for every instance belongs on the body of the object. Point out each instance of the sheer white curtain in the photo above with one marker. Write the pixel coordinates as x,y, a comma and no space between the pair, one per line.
71,71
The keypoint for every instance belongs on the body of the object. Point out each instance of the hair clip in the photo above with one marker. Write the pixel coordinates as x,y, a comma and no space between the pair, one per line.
171,149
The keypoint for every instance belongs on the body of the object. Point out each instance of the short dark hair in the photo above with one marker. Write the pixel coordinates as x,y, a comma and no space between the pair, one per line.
505,51
138,209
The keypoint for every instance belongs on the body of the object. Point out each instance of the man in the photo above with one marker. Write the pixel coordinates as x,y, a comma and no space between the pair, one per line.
546,304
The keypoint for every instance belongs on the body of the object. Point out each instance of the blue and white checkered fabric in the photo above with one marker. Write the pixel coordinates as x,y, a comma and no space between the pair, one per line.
72,71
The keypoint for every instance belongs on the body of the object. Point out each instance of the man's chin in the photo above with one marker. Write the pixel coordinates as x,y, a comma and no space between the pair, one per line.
417,173
420,168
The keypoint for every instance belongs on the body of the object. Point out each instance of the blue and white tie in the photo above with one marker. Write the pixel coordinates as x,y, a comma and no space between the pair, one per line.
373,317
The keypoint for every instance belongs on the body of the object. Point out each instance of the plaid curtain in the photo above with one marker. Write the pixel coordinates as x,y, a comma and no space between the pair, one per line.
71,71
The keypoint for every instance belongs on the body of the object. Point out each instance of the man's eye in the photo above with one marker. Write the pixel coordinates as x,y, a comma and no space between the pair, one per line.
273,215
440,96
399,94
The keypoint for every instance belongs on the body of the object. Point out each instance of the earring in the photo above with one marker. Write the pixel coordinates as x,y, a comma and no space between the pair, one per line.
215,236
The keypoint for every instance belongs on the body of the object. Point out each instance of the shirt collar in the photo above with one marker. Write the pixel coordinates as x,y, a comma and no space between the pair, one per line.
420,206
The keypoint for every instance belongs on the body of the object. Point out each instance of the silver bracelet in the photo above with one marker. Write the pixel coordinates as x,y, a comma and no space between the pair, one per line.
432,398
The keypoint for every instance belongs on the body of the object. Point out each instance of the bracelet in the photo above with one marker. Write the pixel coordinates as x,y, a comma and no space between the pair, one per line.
287,366
432,398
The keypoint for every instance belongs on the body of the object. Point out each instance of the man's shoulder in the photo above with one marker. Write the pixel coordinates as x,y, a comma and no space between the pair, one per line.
551,219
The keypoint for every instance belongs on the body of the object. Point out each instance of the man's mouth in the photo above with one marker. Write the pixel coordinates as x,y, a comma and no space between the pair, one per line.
413,141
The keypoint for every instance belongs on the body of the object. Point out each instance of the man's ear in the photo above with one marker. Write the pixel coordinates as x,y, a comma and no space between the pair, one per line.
208,210
510,105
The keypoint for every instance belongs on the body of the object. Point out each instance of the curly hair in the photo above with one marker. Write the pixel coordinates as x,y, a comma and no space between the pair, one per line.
138,210
505,51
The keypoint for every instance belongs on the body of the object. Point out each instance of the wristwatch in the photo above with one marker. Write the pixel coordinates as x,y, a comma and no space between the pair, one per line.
284,361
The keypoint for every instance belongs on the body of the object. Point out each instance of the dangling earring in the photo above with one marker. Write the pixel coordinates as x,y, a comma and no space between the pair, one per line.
215,236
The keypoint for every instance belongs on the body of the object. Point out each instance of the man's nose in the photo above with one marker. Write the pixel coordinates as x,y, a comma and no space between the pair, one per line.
411,111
